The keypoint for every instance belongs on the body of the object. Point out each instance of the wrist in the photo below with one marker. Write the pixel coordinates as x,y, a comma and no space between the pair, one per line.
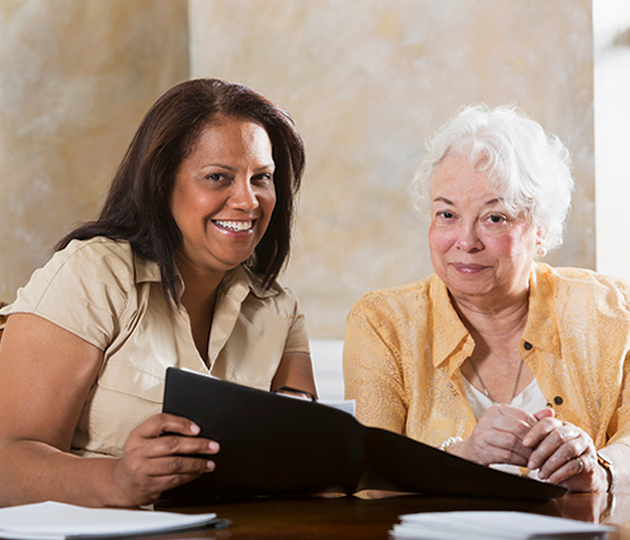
606,465
447,445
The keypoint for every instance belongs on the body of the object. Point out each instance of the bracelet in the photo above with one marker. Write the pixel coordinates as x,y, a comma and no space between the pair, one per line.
607,465
449,442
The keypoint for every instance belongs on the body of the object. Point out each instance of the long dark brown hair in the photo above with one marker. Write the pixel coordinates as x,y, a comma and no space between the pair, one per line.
137,206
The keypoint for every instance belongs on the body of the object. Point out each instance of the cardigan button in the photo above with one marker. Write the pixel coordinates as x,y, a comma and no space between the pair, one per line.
558,400
527,346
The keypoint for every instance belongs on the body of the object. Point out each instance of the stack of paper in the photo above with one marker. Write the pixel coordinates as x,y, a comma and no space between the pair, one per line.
56,521
495,525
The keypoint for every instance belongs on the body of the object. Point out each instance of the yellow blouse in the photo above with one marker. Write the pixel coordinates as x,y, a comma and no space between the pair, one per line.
404,348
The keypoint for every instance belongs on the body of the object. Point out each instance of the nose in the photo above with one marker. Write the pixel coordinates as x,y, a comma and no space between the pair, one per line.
468,239
243,197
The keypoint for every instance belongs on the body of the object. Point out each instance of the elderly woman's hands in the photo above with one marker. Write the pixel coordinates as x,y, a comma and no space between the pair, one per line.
498,437
540,441
555,449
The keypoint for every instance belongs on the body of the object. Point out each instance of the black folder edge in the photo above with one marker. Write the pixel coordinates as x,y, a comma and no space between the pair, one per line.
273,445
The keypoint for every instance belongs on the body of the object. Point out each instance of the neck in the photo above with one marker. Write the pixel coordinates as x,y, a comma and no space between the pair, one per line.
198,298
494,319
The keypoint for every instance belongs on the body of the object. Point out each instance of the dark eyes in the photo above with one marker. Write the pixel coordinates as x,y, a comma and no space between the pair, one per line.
262,178
496,218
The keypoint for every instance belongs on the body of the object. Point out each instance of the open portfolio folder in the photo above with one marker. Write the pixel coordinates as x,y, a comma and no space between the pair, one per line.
276,445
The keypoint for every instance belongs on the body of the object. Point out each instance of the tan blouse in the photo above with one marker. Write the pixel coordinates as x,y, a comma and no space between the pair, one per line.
104,293
404,348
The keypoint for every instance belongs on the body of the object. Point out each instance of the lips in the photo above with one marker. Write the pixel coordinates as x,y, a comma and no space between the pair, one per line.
469,268
234,226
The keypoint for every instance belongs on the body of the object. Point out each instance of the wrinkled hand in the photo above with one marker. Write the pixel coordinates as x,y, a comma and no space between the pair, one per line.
555,446
498,436
152,463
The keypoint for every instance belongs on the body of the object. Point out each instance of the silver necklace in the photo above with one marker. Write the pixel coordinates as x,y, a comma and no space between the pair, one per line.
485,390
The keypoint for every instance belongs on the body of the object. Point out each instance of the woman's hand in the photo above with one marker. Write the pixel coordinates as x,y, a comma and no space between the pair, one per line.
498,436
564,454
161,453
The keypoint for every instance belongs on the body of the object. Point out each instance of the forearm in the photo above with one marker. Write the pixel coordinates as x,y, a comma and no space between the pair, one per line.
33,471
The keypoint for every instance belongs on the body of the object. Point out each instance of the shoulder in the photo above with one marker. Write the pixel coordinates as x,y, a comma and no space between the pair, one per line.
79,271
84,288
583,285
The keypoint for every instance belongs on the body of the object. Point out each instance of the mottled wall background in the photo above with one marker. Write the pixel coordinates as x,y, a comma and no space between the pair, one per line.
76,77
366,82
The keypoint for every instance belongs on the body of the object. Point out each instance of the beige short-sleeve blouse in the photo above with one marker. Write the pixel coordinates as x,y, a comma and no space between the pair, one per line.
107,295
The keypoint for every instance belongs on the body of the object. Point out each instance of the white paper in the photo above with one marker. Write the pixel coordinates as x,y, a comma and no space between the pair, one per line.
345,405
57,521
487,525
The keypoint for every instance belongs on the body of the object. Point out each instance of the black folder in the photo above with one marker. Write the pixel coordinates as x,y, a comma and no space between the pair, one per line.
277,445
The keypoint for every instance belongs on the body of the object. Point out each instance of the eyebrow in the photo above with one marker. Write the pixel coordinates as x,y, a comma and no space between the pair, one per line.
232,169
487,203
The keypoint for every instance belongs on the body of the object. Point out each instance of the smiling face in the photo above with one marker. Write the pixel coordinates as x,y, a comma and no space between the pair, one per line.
482,252
223,196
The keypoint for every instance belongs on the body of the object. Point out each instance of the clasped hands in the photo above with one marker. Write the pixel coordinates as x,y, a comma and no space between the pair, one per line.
562,452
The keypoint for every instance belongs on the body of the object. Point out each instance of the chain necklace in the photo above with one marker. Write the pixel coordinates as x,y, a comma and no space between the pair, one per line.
485,390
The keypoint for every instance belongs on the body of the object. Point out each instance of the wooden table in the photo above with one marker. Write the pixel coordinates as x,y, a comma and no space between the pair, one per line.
351,518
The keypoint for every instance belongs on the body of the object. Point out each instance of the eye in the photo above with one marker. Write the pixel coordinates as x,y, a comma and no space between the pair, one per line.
215,177
496,218
263,179
445,214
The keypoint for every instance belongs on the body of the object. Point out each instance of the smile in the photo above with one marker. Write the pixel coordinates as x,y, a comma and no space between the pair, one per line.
469,268
236,226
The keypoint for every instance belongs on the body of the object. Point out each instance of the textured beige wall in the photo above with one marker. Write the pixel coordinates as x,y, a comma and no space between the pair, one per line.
366,82
76,77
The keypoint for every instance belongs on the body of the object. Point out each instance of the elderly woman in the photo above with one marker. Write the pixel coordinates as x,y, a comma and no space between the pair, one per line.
497,358
179,270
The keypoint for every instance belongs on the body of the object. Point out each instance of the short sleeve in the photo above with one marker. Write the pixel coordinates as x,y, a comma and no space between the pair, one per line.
83,289
297,339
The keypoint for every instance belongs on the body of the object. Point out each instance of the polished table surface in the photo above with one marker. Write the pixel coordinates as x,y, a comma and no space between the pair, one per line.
351,518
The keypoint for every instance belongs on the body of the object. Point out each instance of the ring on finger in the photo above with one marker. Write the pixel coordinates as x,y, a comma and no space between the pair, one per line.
580,464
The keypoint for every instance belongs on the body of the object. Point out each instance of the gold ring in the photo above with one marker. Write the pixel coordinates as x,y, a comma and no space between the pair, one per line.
580,465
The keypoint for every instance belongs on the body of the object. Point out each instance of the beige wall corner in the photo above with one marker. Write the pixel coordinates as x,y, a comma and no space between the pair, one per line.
76,77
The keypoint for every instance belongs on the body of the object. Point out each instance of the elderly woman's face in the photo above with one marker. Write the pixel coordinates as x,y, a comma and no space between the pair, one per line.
481,251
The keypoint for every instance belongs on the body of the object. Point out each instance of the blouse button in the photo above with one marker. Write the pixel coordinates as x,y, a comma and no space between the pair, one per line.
558,400
527,346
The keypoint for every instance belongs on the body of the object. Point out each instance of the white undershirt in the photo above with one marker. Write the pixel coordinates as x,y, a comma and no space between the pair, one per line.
531,399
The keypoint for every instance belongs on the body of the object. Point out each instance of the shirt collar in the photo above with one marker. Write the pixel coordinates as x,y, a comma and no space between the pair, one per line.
449,333
451,336
541,329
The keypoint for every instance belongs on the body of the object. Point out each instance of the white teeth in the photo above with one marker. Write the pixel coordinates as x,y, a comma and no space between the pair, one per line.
235,225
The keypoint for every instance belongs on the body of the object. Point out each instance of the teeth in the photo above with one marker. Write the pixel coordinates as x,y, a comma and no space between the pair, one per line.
235,225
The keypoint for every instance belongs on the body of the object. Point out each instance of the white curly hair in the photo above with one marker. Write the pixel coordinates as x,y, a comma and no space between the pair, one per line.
529,169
